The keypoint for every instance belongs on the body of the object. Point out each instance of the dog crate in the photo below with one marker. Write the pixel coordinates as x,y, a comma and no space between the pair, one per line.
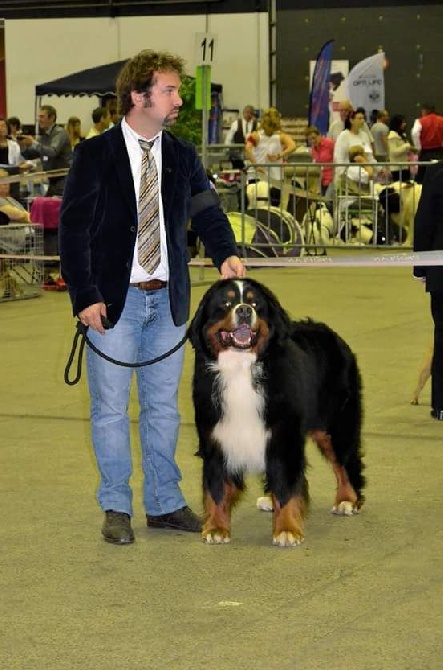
21,261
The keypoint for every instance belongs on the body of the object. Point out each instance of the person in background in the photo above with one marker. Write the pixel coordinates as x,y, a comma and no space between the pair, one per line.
322,151
345,109
100,122
380,132
126,268
114,116
351,136
269,146
9,149
428,236
74,130
52,146
238,134
14,127
360,171
399,149
427,137
10,208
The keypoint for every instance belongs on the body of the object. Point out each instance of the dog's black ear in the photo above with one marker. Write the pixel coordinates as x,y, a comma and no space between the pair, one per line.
195,327
278,318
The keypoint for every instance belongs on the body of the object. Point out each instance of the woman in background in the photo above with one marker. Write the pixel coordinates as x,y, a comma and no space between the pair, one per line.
9,149
74,130
399,148
269,147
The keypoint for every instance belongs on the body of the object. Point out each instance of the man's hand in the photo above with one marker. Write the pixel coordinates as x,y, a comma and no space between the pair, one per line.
92,316
25,141
232,267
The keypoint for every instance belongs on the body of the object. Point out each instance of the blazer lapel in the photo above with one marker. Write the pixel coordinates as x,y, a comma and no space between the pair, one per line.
122,166
169,172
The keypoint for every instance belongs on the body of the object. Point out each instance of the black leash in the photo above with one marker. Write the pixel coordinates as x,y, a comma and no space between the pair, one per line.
81,335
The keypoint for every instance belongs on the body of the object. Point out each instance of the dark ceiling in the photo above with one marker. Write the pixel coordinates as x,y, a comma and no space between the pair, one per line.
37,9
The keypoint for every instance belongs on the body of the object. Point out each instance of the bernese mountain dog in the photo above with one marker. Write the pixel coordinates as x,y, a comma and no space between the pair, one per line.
262,384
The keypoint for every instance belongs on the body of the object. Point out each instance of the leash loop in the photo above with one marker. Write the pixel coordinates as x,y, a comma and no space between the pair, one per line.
81,332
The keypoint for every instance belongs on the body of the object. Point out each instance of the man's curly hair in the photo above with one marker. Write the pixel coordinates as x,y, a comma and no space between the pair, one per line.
139,74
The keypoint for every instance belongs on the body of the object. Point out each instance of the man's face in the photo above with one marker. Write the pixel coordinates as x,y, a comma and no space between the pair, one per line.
163,106
248,114
44,121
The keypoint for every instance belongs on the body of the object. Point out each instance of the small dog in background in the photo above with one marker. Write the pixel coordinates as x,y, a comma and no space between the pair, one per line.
262,384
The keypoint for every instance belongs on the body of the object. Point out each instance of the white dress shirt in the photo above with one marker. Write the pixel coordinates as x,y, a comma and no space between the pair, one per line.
138,274
247,129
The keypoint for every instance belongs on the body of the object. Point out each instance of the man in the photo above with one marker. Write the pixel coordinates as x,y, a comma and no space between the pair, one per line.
428,236
52,146
427,137
380,132
100,122
139,282
238,134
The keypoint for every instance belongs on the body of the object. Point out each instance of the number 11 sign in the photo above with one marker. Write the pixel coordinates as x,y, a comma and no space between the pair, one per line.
205,45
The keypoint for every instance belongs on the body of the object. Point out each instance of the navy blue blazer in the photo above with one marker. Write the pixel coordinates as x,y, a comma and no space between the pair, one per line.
98,222
428,226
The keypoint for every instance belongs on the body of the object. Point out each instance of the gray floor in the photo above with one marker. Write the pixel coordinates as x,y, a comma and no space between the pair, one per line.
361,593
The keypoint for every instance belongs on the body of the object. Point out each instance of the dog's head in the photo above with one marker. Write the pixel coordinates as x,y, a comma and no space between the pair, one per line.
238,314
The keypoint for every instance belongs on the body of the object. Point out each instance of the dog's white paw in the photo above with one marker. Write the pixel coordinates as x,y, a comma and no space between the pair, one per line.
264,503
216,538
287,539
345,508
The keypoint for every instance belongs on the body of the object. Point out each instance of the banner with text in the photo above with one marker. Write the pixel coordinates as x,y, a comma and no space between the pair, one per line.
366,83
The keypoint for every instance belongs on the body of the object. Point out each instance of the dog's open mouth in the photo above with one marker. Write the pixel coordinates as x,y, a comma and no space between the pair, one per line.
242,337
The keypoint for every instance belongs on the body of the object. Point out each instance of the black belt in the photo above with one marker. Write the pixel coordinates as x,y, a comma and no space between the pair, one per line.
152,285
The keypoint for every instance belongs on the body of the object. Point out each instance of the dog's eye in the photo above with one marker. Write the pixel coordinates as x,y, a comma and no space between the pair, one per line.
227,304
253,304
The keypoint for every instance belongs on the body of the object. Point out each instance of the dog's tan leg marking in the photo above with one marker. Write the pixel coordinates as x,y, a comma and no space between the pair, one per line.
346,500
287,526
217,525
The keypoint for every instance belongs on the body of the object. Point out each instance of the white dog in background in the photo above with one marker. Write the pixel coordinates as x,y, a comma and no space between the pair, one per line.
409,198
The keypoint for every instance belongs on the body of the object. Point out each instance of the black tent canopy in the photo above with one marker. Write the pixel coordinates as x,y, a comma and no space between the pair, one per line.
99,80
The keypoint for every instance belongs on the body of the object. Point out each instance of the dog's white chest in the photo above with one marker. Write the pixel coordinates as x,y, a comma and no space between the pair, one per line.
241,431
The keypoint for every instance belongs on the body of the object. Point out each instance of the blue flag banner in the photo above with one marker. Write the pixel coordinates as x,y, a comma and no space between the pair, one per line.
320,89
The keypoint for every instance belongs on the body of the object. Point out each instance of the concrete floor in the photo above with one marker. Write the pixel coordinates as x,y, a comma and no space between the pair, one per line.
363,593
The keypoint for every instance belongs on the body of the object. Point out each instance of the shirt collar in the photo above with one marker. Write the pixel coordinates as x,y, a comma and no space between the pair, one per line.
134,136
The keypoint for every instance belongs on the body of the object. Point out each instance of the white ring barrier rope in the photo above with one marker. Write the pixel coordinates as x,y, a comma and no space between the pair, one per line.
423,258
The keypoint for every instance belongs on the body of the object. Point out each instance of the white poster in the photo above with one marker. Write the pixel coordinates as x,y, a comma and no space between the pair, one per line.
366,83
337,85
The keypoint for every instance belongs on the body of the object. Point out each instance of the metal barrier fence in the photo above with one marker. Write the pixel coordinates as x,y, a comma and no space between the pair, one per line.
285,209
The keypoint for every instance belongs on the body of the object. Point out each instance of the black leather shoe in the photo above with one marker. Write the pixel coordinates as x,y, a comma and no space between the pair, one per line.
181,519
437,414
117,528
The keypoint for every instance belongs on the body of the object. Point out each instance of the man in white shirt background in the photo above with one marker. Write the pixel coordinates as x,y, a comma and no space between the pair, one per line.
238,134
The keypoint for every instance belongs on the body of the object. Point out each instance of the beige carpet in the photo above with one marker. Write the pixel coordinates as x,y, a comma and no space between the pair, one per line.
361,593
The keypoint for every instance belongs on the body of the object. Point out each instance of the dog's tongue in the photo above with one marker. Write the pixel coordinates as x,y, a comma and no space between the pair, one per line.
242,333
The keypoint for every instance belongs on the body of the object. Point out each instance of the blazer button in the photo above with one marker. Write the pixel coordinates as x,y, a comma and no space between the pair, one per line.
132,229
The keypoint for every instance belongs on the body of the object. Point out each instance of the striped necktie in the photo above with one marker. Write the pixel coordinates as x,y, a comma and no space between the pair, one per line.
148,212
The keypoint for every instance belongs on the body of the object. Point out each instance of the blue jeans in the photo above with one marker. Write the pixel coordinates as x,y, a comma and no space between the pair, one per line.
144,331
